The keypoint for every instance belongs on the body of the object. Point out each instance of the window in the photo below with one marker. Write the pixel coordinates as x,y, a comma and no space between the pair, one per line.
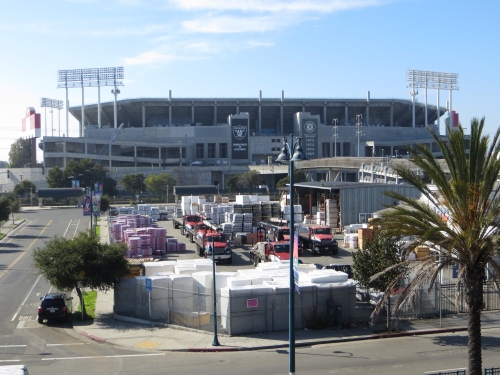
200,150
223,150
325,149
211,151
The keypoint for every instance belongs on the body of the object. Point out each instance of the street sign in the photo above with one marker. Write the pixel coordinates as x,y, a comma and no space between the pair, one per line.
149,284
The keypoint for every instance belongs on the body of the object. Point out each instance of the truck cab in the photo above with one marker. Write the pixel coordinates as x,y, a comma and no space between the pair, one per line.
218,243
319,239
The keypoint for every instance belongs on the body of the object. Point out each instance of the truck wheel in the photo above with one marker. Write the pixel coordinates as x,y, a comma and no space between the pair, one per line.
191,238
335,251
229,260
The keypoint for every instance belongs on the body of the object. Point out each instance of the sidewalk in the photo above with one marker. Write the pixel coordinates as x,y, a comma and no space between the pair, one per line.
136,335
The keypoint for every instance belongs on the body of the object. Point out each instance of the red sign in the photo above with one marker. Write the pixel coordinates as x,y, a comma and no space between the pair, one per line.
252,303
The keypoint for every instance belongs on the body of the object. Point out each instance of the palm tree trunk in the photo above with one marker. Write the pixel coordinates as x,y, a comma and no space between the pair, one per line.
474,299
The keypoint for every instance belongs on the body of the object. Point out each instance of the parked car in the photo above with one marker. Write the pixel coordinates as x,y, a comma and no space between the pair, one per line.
55,306
346,268
198,163
113,211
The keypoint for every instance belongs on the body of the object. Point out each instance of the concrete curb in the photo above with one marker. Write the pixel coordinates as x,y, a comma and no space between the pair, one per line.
325,341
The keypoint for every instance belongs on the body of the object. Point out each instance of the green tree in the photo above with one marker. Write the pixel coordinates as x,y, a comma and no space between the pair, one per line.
109,186
247,180
20,154
465,191
24,188
298,176
105,203
15,205
55,178
232,183
82,262
85,171
380,254
4,208
158,184
133,183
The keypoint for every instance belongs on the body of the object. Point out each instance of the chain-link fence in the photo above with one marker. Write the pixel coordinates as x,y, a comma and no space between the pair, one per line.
178,300
261,308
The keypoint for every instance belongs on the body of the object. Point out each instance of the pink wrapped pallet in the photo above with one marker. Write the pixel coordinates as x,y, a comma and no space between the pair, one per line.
171,239
162,232
161,243
171,247
134,243
181,246
145,239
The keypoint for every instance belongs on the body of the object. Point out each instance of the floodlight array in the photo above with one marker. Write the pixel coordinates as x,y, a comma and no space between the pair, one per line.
432,80
90,77
51,103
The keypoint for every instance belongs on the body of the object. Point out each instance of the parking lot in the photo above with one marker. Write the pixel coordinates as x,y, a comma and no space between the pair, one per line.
241,257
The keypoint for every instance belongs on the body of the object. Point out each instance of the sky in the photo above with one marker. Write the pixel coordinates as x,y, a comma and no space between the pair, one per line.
237,48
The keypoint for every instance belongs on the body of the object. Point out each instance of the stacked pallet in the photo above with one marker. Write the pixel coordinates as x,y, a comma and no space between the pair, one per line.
365,236
332,213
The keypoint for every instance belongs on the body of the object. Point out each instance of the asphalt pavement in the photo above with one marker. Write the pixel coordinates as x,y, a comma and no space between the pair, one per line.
135,334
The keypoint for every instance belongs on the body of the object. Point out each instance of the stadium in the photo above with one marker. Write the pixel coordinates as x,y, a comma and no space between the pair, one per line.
232,135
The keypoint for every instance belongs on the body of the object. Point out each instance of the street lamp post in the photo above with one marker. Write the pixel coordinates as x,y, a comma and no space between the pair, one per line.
215,342
31,196
284,156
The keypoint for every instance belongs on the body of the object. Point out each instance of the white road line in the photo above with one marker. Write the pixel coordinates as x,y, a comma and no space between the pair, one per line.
71,344
26,298
104,356
10,360
13,346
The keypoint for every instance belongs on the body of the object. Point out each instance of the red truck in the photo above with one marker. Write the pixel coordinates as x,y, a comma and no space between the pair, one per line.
319,239
187,222
270,252
276,231
213,240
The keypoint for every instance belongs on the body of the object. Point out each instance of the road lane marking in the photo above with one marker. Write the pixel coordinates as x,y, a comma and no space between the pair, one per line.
104,356
13,346
26,298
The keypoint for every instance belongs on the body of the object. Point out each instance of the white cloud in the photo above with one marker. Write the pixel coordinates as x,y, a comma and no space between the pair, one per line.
235,25
273,6
253,43
151,57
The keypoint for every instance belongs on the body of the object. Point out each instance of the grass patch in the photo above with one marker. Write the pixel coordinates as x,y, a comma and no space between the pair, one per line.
89,298
98,230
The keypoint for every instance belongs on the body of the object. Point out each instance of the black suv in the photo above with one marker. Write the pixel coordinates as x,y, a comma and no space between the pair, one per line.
55,306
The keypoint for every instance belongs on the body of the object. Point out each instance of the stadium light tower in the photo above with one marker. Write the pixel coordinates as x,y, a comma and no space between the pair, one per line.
334,136
432,80
53,104
359,122
89,77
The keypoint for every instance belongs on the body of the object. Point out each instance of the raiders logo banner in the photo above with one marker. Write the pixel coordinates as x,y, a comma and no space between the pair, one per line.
239,138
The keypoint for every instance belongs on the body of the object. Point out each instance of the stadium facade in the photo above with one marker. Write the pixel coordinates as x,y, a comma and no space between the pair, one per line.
233,134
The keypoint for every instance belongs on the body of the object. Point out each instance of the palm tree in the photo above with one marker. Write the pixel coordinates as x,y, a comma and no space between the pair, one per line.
458,215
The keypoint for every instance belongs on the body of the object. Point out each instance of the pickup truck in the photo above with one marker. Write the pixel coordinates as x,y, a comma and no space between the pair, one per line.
319,239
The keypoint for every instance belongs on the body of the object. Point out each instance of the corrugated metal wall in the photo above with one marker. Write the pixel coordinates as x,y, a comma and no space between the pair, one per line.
368,198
